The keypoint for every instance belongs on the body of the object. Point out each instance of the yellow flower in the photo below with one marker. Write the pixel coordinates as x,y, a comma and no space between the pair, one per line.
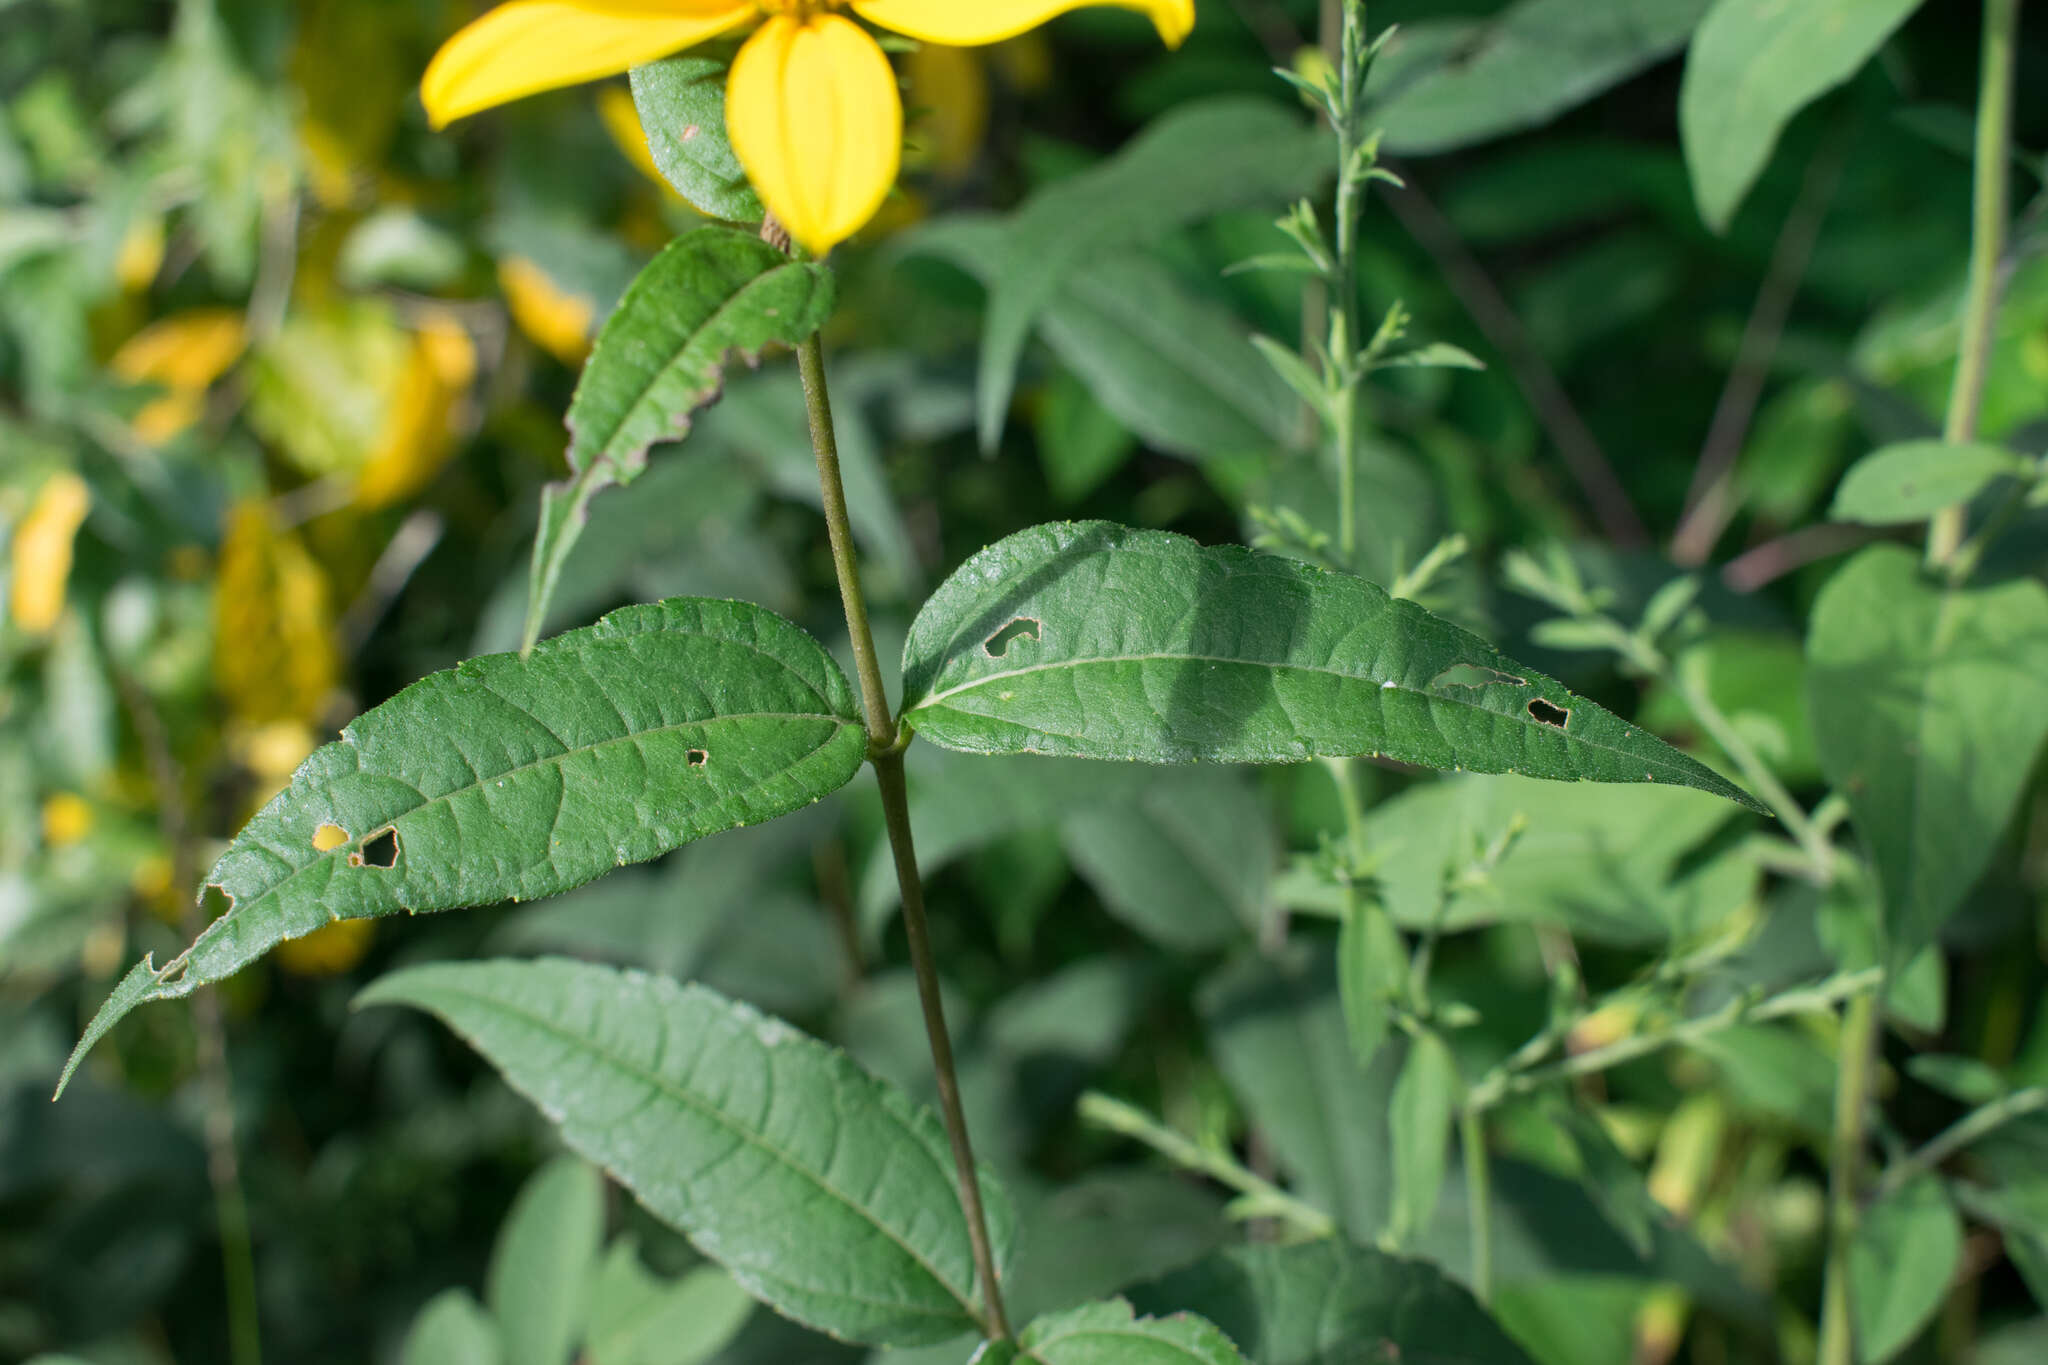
41,552
811,104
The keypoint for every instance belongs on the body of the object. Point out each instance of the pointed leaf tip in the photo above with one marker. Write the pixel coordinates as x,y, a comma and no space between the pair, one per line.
142,984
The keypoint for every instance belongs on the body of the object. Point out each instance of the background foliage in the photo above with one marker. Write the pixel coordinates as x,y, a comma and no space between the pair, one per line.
282,378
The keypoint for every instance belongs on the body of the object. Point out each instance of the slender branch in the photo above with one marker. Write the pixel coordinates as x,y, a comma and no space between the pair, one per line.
1583,458
1845,1176
1710,503
1755,570
1819,853
1132,1122
885,753
1971,1127
1990,208
1510,1080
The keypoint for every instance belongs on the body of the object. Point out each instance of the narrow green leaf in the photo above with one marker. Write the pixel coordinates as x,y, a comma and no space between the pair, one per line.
1372,972
1091,640
1438,355
513,778
1195,162
1111,1334
1901,1265
453,1329
1449,83
681,102
1915,479
710,294
1332,1303
1929,704
540,1267
1425,1102
637,1319
825,1192
1752,66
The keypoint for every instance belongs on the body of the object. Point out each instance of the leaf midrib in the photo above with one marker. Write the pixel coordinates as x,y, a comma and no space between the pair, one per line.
656,1081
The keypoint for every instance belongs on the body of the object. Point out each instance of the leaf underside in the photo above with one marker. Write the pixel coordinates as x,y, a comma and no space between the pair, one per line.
825,1192
513,778
1090,640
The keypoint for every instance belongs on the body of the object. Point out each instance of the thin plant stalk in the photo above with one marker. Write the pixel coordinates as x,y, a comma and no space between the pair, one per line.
1845,1176
1478,1200
1990,207
885,753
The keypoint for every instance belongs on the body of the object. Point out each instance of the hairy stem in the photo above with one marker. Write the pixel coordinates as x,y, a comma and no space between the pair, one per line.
1989,210
1845,1176
886,755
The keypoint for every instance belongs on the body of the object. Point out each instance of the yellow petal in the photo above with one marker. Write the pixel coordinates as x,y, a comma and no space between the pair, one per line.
813,113
560,321
529,46
186,351
41,552
948,92
966,23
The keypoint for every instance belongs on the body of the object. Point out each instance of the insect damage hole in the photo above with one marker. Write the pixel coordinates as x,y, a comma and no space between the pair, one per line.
697,758
998,644
327,838
380,850
1543,713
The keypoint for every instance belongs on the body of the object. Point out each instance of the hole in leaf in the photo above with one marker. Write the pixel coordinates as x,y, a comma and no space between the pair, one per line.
1473,675
1544,713
998,644
699,757
379,850
327,838
215,900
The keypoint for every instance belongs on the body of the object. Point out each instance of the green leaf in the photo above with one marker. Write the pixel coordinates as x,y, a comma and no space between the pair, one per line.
1332,1303
1901,1265
1913,480
661,356
637,1319
1277,1030
540,1267
1372,973
1425,1102
453,1329
1450,83
825,1192
513,778
1111,1334
1929,705
681,101
1091,640
1753,65
1193,163
1187,863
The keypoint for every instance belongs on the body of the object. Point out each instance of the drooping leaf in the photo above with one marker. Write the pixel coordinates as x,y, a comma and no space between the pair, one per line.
1419,1120
1092,640
824,1192
1195,162
1111,1334
1332,1303
1929,705
681,101
1753,65
453,1329
540,1268
1444,84
1901,1265
516,778
661,356
1915,479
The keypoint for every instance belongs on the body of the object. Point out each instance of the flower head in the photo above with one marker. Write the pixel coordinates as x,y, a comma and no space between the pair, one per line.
811,104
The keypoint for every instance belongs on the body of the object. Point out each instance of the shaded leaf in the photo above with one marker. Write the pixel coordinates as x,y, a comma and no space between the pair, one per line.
1907,1247
453,1329
513,778
1929,704
1752,66
1090,640
1915,479
1425,1101
540,1267
681,102
1111,1334
638,1319
823,1191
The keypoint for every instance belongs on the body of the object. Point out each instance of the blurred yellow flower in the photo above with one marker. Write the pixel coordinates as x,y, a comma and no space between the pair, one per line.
67,819
811,104
40,556
419,431
275,657
183,354
558,321
327,951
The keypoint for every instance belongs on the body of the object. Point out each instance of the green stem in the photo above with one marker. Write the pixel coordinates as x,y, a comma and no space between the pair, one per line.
230,1208
885,753
1132,1122
1478,1200
1988,214
1966,1130
1819,853
1845,1176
